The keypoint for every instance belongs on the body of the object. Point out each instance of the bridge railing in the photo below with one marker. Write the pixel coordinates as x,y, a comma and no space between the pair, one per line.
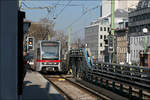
118,69
76,53
137,71
102,74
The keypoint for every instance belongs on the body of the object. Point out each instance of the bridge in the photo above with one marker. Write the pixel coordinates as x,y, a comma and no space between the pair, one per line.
114,77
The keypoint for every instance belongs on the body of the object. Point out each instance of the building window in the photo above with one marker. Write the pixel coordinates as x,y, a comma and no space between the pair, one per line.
101,28
137,53
108,29
130,40
134,53
140,40
104,28
134,41
104,37
101,45
137,40
101,36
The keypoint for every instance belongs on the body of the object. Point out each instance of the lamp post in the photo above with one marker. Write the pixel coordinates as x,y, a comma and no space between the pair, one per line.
111,36
69,32
145,30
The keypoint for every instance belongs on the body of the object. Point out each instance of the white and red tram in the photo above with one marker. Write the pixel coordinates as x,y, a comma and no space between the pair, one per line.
48,56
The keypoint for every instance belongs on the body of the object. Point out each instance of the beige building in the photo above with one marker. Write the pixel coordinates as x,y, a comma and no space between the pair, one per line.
122,44
122,47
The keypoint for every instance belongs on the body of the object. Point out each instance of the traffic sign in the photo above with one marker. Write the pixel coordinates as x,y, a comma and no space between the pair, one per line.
110,43
30,43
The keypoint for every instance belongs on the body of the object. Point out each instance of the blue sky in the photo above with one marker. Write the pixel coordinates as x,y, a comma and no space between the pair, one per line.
67,16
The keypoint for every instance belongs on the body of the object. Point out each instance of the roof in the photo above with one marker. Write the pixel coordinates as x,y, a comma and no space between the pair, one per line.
120,13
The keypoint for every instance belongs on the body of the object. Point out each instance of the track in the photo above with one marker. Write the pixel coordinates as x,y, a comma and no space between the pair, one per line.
77,89
73,90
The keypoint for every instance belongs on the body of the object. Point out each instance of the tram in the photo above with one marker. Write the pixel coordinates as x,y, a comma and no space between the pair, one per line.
48,56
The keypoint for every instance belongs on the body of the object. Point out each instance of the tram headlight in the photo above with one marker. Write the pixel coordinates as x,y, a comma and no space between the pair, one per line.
55,63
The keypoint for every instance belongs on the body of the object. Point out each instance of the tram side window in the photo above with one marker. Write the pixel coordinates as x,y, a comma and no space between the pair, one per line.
38,53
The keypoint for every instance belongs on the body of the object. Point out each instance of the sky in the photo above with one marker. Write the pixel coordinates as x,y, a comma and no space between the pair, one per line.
66,14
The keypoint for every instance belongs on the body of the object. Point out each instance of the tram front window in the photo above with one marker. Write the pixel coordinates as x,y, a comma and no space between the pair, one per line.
50,53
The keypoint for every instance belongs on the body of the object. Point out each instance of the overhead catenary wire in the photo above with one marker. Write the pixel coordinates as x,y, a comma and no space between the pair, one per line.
87,10
33,8
62,9
25,5
70,5
76,20
54,9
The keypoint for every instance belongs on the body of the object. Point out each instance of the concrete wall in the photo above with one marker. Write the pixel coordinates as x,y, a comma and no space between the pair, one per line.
8,49
91,39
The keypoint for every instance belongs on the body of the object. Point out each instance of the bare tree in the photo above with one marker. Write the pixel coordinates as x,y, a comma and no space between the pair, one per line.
79,43
40,30
63,38
48,26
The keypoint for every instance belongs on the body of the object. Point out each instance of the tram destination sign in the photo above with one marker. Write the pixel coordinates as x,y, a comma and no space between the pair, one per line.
49,44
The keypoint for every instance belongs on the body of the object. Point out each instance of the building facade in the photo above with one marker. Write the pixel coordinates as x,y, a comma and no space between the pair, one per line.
138,20
119,4
122,45
137,44
95,34
145,58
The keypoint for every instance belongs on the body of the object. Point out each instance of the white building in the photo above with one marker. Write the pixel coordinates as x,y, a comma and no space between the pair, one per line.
94,37
119,4
137,44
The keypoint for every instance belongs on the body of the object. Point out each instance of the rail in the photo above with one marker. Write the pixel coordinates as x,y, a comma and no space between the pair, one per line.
72,90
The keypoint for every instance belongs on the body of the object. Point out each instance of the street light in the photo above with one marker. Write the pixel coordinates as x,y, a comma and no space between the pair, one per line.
145,30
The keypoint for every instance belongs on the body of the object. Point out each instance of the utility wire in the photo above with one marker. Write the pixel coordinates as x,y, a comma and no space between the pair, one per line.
69,5
76,20
32,8
25,5
54,9
57,3
62,9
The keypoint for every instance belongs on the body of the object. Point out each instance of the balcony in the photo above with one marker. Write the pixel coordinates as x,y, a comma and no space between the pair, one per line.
138,23
139,12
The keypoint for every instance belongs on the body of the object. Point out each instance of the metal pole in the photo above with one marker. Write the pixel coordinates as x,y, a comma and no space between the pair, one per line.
49,37
69,31
19,4
145,30
112,16
112,25
145,43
